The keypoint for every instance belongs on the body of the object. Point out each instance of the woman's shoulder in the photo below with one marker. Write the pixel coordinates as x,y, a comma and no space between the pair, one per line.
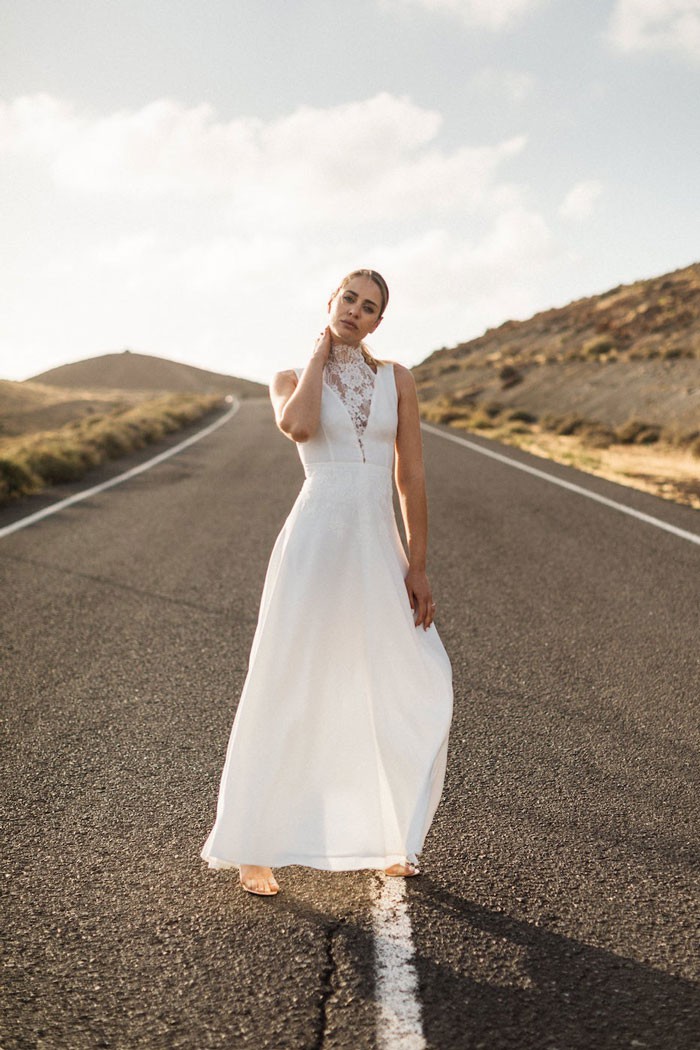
285,378
289,373
402,375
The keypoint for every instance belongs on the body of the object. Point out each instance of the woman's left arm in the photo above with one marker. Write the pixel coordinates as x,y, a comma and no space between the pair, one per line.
410,482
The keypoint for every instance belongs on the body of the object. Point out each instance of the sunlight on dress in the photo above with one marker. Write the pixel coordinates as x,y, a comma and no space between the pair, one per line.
337,755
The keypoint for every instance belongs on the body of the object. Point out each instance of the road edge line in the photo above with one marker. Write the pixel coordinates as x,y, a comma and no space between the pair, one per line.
31,519
614,504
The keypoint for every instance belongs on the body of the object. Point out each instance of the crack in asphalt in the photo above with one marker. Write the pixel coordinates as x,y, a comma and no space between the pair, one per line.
328,988
114,585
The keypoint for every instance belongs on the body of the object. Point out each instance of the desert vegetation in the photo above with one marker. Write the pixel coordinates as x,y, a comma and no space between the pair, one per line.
610,384
31,461
663,461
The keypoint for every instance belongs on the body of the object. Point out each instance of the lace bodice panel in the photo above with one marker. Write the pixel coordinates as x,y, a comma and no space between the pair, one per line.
347,372
359,413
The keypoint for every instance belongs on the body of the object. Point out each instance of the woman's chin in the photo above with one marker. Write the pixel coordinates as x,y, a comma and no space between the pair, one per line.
345,334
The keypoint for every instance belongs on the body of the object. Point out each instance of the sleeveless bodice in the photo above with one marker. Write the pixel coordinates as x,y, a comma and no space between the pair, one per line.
359,413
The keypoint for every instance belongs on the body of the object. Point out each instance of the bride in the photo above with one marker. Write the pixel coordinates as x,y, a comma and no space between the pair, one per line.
337,753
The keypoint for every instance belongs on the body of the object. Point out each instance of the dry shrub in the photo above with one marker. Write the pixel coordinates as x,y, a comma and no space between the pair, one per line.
549,421
449,415
55,460
638,432
16,479
686,438
645,352
66,454
648,436
627,433
569,424
509,376
600,344
481,420
520,415
597,435
466,395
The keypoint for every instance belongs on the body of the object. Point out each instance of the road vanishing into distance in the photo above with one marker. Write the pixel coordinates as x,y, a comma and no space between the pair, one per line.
557,905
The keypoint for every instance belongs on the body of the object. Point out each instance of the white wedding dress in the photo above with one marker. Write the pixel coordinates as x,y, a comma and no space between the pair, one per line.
337,754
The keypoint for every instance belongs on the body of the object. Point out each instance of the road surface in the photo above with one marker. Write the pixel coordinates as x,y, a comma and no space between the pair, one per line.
557,902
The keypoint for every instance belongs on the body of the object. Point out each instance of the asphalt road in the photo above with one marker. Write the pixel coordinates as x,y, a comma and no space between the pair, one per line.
557,907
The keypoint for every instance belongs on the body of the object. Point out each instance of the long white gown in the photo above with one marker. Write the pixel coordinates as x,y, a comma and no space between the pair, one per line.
338,750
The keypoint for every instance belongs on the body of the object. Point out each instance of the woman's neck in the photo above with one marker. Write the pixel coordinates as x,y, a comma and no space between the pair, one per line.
346,351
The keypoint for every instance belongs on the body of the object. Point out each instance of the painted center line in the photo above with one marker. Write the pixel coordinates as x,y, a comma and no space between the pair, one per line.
399,1022
31,519
648,518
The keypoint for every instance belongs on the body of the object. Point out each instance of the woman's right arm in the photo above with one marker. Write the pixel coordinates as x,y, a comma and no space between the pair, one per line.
297,403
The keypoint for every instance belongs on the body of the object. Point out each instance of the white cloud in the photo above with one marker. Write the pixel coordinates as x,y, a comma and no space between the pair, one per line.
656,25
250,306
373,160
579,202
510,83
218,242
489,14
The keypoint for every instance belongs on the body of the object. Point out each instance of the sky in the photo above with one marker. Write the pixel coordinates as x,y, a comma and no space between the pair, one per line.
193,178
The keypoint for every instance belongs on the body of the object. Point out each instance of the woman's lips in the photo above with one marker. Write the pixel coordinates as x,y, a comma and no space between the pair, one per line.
349,324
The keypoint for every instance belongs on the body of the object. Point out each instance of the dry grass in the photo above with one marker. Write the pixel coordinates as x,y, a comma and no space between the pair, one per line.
663,470
30,462
641,455
31,407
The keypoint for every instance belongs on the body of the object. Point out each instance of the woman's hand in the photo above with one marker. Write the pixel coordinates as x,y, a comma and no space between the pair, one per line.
421,598
322,347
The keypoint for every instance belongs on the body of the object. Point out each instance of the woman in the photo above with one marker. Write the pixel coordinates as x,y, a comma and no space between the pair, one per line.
338,750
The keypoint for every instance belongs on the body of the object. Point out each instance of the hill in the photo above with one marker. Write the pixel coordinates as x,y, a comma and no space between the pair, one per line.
634,349
129,371
68,420
28,407
587,382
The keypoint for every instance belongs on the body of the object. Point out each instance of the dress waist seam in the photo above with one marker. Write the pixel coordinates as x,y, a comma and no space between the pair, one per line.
341,467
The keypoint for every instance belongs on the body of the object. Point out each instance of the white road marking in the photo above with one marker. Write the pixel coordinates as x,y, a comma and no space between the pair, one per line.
399,1023
31,519
648,518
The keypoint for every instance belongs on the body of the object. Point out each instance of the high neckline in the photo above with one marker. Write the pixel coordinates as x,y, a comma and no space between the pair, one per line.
343,352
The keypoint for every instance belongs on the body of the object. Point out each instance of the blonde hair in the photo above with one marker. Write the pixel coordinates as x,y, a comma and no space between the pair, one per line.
381,284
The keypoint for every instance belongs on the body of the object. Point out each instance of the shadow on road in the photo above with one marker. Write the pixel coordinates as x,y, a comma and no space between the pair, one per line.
545,990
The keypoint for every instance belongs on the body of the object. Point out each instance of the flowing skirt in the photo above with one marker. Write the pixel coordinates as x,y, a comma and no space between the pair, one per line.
338,750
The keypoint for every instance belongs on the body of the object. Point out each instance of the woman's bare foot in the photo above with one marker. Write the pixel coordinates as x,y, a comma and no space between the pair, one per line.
257,879
402,869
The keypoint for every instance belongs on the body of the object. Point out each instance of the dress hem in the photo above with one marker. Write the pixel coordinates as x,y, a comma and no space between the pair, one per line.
320,862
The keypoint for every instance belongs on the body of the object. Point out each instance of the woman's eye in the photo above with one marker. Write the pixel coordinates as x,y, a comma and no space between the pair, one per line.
347,298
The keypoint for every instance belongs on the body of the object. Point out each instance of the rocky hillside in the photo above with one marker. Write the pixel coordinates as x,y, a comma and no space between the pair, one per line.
624,365
129,371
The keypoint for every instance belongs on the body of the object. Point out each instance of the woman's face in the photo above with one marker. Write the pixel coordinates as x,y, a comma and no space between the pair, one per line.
355,310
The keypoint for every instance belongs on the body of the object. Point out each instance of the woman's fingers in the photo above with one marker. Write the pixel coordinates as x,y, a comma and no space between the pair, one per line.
421,601
422,611
323,343
425,612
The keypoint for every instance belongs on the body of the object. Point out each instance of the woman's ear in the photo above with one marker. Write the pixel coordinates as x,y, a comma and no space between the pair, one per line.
377,323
